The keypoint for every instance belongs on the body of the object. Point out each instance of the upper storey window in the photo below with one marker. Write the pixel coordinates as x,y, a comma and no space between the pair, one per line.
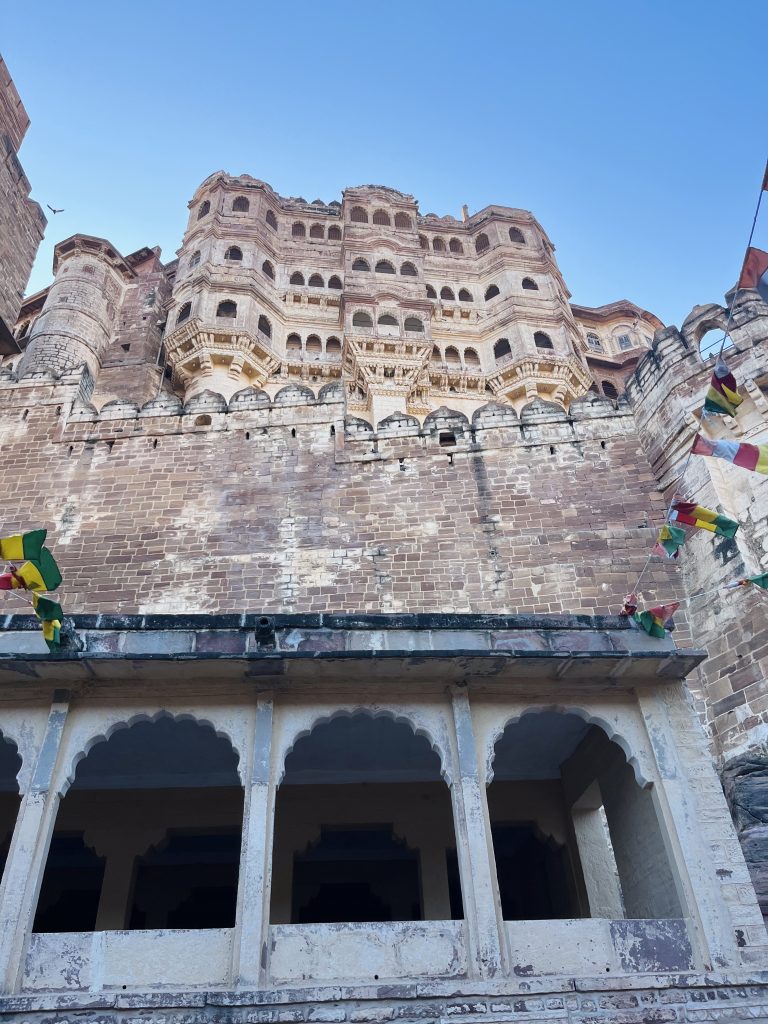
233,253
298,230
362,319
594,343
334,282
334,234
625,342
455,246
271,220
184,312
412,323
358,215
408,270
360,264
423,242
516,235
481,243
265,326
227,309
268,269
609,390
501,348
381,217
530,285
384,267
431,293
317,231
204,209
194,259
241,205
542,340
402,220
465,295
438,245
387,320
316,281
297,277
446,293
491,292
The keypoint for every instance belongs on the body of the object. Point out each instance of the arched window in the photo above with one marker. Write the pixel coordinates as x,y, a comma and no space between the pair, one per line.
593,340
542,340
205,208
184,312
431,293
408,270
438,245
334,234
455,246
491,292
446,293
402,220
501,348
297,277
358,215
316,281
271,219
452,356
412,323
241,205
334,282
609,390
316,231
333,347
265,326
465,295
516,235
268,269
22,333
194,259
384,267
471,358
233,253
387,320
228,309
314,346
481,243
382,217
362,319
298,230
423,242
293,343
360,264
625,342
530,285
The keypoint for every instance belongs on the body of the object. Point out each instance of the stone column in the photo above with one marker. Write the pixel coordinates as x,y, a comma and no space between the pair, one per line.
477,865
598,864
29,850
253,897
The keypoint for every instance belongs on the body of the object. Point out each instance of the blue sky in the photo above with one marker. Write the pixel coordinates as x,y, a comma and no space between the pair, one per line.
634,131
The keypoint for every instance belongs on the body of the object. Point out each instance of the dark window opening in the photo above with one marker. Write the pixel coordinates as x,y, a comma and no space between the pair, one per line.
205,208
271,220
481,243
296,278
316,231
234,252
334,282
184,312
334,234
491,292
69,895
501,348
542,340
447,439
360,264
516,235
358,215
227,309
241,205
534,875
610,390
298,230
530,285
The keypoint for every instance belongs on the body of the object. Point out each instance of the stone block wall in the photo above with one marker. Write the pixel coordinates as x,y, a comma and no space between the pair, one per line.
22,221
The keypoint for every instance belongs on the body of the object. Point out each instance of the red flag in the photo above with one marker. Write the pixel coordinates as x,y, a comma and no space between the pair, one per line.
754,273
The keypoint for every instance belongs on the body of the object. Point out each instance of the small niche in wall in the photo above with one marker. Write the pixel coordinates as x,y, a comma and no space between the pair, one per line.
202,421
447,438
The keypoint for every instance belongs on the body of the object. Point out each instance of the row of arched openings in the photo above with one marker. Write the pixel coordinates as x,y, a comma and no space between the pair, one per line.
314,280
313,346
299,230
465,295
361,318
226,310
541,340
363,827
359,215
407,269
451,357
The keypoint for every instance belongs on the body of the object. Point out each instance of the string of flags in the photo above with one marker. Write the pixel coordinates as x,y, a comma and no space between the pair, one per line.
37,573
722,399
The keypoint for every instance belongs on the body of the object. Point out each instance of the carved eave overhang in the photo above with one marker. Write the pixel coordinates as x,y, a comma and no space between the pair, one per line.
90,245
194,348
563,378
372,356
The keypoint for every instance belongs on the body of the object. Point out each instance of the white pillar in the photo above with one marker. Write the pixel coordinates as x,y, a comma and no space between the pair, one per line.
253,897
477,865
29,850
598,865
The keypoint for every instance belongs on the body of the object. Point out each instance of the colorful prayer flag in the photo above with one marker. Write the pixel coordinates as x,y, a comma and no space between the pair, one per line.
759,581
691,514
42,574
655,619
22,546
630,605
754,273
748,456
50,615
670,540
722,397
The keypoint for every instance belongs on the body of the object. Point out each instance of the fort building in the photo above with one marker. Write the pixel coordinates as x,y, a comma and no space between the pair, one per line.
345,726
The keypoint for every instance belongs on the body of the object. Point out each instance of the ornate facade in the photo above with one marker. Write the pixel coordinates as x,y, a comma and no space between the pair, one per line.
344,726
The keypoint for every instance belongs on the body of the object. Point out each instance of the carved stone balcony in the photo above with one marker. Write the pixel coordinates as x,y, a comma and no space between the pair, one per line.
220,358
548,375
